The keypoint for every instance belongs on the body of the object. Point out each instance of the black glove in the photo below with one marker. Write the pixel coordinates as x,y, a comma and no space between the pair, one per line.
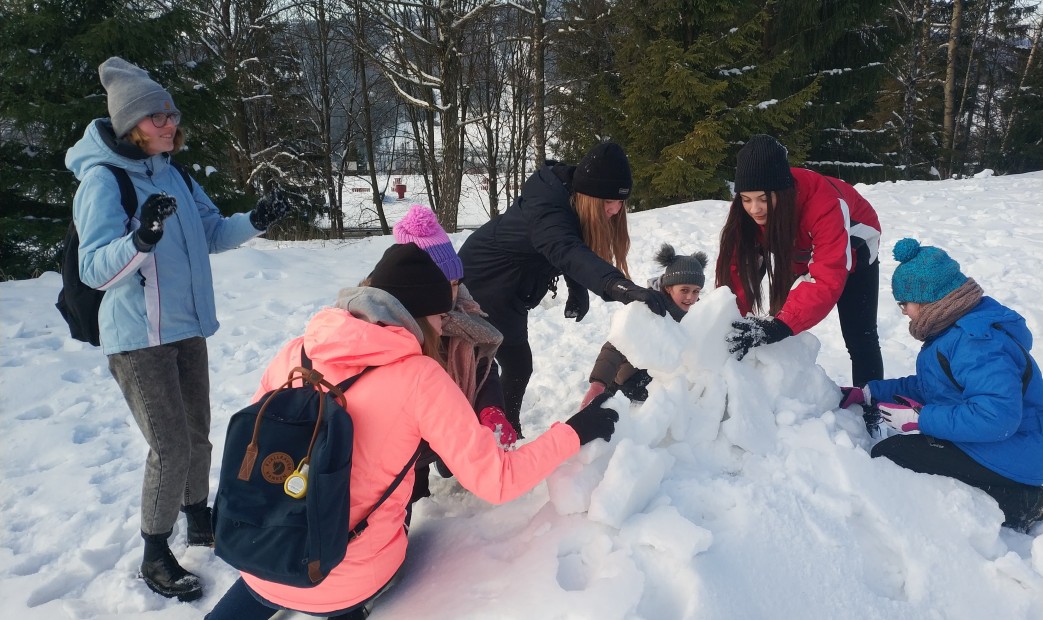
157,208
625,291
594,421
755,331
634,387
578,303
872,417
271,208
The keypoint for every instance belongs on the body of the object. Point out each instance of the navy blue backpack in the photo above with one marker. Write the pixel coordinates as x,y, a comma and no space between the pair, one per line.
281,509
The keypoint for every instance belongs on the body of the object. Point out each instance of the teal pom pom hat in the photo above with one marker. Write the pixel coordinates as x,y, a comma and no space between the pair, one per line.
926,273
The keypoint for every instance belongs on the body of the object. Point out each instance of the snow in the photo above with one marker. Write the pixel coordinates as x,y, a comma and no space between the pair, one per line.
737,490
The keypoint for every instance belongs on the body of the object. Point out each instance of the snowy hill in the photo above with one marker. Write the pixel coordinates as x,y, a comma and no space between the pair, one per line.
738,490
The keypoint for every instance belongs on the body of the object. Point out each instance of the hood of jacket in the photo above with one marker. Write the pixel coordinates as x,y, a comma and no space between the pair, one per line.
368,327
100,146
988,315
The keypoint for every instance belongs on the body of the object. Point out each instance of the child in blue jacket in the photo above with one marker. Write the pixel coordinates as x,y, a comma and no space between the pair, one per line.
974,409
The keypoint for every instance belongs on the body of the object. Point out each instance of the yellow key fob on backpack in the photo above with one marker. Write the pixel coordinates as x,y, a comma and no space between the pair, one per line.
296,484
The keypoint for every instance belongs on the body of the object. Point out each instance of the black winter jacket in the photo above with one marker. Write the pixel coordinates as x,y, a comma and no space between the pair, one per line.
512,261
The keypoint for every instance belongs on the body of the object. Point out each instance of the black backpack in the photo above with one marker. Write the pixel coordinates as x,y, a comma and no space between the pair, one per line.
77,302
281,511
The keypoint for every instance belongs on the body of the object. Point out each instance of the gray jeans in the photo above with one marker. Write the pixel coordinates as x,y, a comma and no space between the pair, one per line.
167,388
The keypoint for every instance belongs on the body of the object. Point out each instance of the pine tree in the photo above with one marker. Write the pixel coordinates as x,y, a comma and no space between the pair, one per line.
843,45
49,92
696,83
583,83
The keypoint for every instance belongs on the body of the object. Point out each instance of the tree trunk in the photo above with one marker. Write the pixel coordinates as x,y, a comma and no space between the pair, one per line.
451,168
539,83
949,118
1021,85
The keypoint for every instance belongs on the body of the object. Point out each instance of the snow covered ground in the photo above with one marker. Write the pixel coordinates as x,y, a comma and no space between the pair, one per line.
738,490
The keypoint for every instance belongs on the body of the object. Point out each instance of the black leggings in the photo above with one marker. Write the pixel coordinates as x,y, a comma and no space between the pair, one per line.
515,362
857,308
927,455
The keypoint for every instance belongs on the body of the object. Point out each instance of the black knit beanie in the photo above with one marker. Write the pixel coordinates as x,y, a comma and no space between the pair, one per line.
414,279
681,269
604,172
762,165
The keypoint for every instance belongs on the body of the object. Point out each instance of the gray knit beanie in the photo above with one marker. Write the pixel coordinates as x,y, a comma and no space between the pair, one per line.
133,95
681,269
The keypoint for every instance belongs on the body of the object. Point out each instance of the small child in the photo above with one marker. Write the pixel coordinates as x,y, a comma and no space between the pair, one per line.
682,281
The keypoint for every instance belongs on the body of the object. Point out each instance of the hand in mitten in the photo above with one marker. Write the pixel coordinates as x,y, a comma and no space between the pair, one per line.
634,387
903,415
625,291
855,396
271,208
578,303
157,208
597,388
495,420
755,331
594,421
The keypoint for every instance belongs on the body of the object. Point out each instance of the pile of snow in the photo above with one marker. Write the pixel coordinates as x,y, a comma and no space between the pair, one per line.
737,490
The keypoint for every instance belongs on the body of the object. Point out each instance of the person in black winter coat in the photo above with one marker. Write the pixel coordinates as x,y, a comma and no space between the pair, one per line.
568,221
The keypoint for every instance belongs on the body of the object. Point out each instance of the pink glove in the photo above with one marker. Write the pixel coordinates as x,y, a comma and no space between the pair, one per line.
494,419
596,389
903,416
854,396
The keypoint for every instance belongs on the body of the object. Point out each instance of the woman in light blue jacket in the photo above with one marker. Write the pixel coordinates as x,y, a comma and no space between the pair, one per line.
974,409
158,307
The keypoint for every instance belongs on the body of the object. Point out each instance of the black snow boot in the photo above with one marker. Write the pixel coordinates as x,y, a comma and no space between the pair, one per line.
163,575
1023,508
200,526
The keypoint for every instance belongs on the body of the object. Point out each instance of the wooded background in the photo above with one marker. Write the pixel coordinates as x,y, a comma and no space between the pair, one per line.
311,92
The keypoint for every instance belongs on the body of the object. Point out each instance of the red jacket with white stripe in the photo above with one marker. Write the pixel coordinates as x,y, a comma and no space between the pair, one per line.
834,221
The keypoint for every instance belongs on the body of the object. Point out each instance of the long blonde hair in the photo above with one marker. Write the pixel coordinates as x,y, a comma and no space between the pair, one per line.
608,237
139,138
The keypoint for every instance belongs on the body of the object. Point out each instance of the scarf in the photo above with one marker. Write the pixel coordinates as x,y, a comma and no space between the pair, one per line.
470,339
937,316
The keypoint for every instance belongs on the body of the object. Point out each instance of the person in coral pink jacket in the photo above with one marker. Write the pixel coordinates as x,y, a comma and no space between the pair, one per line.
817,239
394,325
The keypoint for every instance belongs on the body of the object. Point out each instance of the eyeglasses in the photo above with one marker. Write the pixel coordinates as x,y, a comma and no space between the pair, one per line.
159,119
902,304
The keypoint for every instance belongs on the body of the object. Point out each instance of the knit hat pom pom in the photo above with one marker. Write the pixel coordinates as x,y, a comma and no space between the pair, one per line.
681,269
666,255
906,250
420,222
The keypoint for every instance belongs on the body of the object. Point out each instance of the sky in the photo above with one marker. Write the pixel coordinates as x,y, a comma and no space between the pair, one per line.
737,490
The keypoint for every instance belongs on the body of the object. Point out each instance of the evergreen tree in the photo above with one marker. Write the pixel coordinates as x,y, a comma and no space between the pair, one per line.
49,92
1022,145
583,83
843,45
696,83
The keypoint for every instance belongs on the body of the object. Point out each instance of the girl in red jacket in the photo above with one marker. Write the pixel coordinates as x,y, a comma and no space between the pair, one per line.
394,324
817,239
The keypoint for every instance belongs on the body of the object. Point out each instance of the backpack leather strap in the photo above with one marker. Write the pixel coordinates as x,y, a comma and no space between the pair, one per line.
364,521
